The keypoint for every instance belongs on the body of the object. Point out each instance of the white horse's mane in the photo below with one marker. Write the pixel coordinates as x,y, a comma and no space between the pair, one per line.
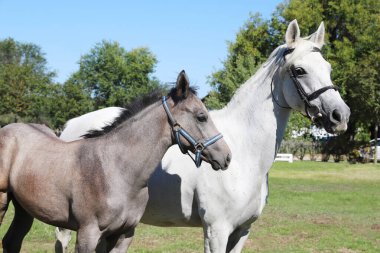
267,70
262,76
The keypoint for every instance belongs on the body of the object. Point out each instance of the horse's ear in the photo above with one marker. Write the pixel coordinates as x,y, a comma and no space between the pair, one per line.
319,36
182,85
292,33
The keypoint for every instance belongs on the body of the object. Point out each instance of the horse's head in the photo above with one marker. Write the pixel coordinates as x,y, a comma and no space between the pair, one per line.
192,127
307,85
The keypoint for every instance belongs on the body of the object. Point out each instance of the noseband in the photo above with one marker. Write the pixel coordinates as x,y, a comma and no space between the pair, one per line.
198,146
306,98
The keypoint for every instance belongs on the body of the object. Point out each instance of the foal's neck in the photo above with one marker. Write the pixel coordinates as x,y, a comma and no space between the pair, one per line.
140,143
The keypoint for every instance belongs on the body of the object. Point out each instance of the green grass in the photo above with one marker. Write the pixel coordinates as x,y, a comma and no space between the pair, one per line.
320,207
313,207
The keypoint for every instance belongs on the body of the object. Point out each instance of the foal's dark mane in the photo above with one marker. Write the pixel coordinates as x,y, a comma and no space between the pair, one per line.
134,108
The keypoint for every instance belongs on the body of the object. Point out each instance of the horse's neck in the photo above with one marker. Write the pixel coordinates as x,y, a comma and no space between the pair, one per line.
140,143
254,116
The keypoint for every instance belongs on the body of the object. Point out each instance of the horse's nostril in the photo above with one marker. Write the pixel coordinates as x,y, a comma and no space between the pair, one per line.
336,116
228,159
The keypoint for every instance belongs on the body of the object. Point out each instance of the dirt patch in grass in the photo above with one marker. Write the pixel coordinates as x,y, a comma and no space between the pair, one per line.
323,220
345,250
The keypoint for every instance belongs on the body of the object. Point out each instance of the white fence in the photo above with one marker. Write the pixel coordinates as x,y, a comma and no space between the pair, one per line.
284,157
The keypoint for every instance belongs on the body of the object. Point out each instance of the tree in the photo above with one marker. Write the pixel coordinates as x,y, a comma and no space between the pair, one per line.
25,82
352,47
353,29
71,100
253,44
353,32
114,76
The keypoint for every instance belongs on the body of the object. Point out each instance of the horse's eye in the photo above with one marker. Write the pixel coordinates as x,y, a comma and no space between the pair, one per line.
201,117
300,71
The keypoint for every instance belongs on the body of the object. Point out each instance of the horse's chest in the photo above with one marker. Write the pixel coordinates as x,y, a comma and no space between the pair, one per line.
124,212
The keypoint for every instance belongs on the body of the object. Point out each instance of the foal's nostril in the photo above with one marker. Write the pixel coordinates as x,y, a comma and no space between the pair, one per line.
336,116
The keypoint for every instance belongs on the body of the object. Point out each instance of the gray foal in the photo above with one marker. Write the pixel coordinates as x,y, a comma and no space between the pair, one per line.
98,186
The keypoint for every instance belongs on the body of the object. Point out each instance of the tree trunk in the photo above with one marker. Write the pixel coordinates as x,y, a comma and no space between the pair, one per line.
376,136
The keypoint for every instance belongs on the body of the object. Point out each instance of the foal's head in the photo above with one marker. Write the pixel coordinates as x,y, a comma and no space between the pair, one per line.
307,84
192,116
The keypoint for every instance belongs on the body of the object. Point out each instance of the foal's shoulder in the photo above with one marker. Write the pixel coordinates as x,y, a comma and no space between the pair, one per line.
43,129
28,128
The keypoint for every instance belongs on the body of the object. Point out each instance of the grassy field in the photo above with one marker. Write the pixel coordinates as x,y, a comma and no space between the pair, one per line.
313,207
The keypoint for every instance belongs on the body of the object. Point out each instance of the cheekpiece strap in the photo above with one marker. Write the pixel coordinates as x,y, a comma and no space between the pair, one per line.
173,122
178,131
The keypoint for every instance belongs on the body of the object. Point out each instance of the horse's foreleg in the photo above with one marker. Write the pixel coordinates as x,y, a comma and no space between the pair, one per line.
237,239
63,238
120,244
4,202
87,239
21,224
216,238
4,199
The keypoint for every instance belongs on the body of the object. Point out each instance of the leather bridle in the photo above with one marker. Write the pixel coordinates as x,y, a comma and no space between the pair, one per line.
305,97
198,146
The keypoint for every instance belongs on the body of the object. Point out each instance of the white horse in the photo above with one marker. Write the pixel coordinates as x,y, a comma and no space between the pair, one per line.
226,203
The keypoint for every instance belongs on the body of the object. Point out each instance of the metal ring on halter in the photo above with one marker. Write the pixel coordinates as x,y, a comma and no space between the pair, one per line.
178,131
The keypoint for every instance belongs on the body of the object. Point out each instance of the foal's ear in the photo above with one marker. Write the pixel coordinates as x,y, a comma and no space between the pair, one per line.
292,33
182,85
319,36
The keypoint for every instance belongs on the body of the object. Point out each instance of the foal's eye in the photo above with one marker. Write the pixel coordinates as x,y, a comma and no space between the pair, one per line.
201,117
300,71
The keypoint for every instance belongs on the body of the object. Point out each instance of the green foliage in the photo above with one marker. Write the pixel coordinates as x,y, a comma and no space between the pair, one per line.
26,83
296,122
111,76
353,156
114,76
107,76
300,147
72,100
252,46
362,136
337,147
352,47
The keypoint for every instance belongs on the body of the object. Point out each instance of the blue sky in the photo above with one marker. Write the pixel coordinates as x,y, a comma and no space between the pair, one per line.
188,35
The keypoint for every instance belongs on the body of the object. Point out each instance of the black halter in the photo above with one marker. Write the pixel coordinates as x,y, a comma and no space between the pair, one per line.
306,98
199,146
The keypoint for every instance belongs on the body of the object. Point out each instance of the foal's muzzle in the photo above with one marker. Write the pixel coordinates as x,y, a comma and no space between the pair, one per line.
197,145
